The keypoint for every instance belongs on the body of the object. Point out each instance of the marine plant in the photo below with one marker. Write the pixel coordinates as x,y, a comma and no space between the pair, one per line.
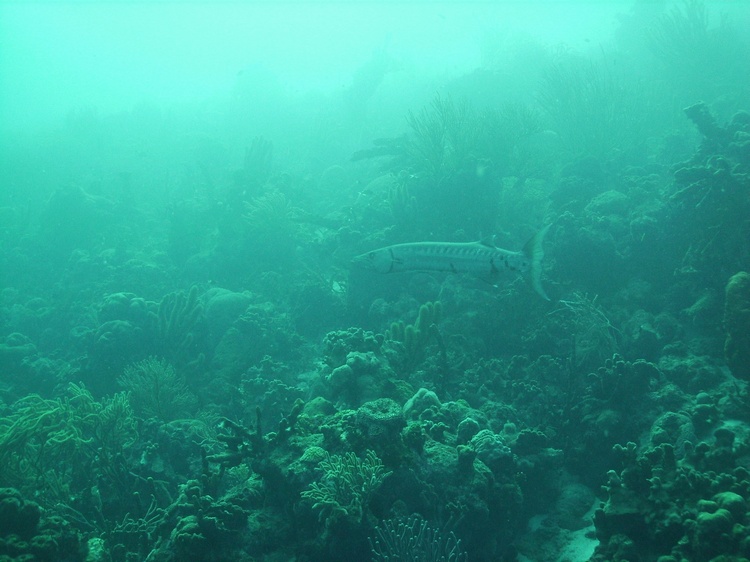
512,135
593,337
45,442
156,390
271,228
346,486
134,534
594,109
449,170
680,32
178,318
414,539
444,136
448,166
256,165
401,202
270,212
697,57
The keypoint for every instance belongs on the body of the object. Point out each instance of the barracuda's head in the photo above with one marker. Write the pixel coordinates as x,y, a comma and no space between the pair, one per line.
377,260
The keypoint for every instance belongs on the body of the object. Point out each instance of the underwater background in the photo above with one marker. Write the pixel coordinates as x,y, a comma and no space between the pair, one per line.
192,369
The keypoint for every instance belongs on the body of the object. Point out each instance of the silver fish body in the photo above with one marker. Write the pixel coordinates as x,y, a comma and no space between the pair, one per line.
477,258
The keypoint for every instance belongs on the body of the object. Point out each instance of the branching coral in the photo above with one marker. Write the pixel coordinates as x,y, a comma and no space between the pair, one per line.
411,340
710,199
347,485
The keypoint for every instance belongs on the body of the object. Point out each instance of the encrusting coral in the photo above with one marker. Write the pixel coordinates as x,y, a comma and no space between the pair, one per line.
28,533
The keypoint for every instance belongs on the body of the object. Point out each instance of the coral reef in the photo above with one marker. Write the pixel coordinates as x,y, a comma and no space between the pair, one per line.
737,325
190,368
686,506
43,441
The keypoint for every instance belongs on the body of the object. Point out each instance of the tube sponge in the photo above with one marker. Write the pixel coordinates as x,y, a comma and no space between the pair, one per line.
737,325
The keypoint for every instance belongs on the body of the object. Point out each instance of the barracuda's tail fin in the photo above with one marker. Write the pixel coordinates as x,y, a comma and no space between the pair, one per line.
534,251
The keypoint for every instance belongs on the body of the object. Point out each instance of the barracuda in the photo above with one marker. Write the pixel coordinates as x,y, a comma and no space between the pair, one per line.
478,258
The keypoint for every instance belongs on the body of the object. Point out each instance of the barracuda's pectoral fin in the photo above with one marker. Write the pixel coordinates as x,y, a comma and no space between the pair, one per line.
534,251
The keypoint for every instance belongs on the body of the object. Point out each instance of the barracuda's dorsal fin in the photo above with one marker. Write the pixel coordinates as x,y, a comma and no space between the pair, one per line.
534,251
